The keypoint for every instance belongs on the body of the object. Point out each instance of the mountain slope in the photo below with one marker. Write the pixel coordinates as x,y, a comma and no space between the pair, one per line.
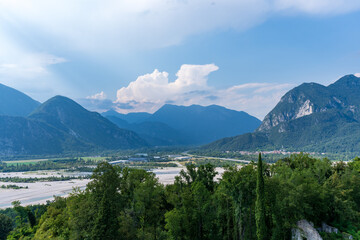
310,117
186,125
90,127
155,133
130,117
15,103
309,98
201,125
21,136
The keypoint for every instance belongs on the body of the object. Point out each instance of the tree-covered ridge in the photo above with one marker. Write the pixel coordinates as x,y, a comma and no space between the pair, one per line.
186,125
61,126
123,203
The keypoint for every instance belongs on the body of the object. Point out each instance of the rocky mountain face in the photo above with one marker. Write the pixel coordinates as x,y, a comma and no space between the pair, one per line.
310,117
310,98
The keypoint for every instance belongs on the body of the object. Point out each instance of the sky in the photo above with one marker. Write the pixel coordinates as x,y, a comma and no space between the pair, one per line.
136,55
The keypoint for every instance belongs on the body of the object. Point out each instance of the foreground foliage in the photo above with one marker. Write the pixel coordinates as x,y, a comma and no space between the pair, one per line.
123,203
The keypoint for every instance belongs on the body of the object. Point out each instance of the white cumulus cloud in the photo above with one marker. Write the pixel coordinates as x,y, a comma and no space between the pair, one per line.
150,91
98,96
156,87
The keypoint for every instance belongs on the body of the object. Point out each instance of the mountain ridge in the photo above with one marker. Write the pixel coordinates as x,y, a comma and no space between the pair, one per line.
197,124
67,115
60,125
15,103
309,117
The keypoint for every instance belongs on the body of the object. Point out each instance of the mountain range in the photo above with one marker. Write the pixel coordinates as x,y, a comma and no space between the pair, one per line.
186,125
60,125
310,117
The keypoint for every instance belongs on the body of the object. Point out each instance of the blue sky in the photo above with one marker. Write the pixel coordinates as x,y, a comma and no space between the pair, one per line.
242,54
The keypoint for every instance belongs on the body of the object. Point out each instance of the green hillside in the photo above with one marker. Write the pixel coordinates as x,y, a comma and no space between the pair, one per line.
90,127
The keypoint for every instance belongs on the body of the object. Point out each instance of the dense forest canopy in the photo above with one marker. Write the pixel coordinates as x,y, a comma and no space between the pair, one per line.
125,203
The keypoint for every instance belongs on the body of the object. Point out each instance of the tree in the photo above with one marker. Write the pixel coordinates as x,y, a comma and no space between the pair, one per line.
30,217
104,190
193,201
260,202
5,226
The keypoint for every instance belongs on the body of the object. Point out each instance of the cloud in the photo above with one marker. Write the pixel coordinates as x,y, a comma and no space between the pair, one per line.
98,96
156,88
108,26
255,98
98,105
357,75
31,30
29,65
28,71
150,91
318,6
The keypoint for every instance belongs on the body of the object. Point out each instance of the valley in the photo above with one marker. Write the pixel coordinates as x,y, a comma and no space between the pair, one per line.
185,158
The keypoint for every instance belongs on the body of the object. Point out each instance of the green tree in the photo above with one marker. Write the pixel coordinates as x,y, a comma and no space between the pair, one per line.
260,202
355,164
193,201
6,226
105,196
30,217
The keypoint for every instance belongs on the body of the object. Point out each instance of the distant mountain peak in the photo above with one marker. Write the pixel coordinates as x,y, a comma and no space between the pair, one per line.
188,125
69,116
15,103
346,81
62,101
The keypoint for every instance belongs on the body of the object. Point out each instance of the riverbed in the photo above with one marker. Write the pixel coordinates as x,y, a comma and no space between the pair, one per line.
41,192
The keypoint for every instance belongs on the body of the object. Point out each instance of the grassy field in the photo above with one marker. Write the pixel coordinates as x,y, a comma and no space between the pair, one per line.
32,161
95,158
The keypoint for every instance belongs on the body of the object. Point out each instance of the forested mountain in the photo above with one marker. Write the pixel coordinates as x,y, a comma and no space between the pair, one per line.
15,103
155,133
61,125
310,117
308,98
189,125
205,124
66,115
19,135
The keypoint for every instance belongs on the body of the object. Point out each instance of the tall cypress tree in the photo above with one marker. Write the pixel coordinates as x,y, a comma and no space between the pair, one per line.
260,202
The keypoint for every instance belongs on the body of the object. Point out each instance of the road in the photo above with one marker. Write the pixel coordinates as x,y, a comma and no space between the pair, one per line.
225,159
